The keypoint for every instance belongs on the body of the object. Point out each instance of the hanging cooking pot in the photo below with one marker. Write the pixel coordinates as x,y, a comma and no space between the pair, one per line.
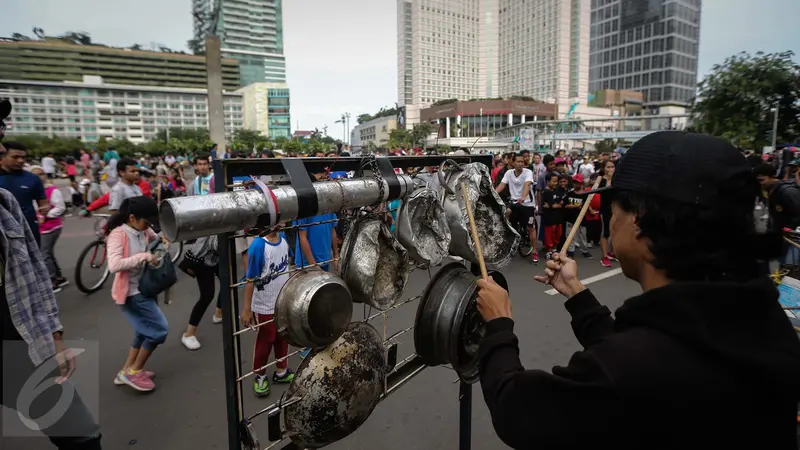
498,238
313,308
448,327
373,264
336,389
422,227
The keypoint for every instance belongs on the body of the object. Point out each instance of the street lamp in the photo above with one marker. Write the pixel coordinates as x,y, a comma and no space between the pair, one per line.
775,128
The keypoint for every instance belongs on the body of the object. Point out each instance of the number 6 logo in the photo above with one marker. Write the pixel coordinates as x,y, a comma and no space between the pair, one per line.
39,382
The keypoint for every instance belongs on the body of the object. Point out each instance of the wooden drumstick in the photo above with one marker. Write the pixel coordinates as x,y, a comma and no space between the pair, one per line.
576,226
474,232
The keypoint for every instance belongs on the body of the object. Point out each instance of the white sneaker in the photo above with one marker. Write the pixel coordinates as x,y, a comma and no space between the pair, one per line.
190,342
216,319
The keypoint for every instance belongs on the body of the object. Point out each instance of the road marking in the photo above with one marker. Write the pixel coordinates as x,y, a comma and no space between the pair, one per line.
591,280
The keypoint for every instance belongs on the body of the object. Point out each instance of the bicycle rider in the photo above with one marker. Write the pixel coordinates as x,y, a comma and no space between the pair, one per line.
522,201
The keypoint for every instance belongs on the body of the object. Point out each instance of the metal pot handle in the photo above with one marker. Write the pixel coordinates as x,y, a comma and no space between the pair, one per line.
442,179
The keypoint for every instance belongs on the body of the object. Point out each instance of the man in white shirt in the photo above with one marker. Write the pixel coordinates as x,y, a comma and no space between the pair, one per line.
49,166
523,203
586,170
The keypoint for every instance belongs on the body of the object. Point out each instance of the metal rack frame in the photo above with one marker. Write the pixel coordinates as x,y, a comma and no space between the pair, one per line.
229,298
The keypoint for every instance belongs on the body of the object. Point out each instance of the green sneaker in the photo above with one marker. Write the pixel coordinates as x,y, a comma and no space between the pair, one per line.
261,386
285,379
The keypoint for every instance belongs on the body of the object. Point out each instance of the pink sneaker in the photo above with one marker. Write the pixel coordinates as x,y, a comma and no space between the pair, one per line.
139,381
119,382
605,261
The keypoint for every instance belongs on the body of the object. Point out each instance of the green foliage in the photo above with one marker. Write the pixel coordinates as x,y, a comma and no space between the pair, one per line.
446,101
383,112
736,99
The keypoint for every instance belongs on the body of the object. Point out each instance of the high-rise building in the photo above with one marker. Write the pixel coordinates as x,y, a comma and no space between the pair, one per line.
646,45
472,49
441,54
266,109
544,49
251,31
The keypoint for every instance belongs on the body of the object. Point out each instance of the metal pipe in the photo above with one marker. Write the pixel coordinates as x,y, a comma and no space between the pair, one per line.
192,217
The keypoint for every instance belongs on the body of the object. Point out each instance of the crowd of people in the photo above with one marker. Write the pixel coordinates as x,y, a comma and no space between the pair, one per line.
542,192
545,194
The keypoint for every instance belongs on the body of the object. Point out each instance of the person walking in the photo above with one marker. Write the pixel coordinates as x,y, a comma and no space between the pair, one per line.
49,166
26,187
266,274
605,214
33,337
50,225
129,234
204,274
704,357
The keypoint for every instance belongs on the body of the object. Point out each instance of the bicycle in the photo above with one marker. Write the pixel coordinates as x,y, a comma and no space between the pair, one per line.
96,252
525,248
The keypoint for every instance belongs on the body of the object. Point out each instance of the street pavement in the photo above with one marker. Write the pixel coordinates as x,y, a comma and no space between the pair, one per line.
188,409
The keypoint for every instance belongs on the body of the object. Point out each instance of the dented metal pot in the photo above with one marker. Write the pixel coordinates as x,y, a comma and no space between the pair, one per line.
373,264
498,238
422,227
336,389
313,309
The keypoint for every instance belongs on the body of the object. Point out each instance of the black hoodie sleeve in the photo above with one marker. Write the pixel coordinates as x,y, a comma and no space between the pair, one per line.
534,407
591,321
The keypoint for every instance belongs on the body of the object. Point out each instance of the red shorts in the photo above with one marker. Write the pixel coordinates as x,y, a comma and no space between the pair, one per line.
552,235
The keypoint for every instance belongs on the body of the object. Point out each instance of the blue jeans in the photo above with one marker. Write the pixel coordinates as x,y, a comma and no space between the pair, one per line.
150,327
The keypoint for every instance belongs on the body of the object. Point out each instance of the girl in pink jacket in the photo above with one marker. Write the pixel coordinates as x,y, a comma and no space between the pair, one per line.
129,234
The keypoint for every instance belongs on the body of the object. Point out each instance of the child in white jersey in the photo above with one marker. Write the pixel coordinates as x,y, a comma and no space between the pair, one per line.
268,259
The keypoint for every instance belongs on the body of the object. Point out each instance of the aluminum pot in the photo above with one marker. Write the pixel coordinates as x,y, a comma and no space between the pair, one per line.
499,239
422,227
313,309
336,389
448,327
373,264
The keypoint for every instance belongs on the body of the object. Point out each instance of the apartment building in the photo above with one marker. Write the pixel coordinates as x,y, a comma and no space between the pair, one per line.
251,32
92,109
649,46
57,61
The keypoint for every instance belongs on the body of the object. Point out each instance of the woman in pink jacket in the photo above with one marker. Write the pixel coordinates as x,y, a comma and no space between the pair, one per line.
129,234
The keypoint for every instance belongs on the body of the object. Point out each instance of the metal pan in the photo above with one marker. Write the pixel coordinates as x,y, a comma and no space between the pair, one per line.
448,327
336,389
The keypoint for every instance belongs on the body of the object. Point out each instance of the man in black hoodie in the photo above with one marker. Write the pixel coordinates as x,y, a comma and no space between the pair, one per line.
703,358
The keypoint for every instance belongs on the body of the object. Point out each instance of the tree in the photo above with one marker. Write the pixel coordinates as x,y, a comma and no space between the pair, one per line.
78,38
363,118
19,37
736,99
248,140
419,133
399,138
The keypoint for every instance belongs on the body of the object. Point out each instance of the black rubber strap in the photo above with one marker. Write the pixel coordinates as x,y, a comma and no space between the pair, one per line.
387,172
307,203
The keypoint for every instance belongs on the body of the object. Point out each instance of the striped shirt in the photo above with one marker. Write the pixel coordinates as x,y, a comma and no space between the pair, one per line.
26,282
265,259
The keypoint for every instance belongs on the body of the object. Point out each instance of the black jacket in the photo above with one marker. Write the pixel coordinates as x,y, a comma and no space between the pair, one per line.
689,365
784,206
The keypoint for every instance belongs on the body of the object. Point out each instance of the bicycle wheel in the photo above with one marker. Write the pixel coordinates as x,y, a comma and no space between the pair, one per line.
175,251
525,248
92,268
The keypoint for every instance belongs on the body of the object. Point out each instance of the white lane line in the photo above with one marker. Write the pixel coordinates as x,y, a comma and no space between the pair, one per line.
591,280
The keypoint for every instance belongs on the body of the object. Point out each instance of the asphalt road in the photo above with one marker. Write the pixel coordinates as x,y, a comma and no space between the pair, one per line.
187,410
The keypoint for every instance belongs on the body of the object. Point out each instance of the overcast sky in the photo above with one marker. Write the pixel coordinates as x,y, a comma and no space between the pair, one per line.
341,55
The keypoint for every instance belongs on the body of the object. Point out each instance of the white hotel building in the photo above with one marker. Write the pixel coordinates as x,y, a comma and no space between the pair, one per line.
469,49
